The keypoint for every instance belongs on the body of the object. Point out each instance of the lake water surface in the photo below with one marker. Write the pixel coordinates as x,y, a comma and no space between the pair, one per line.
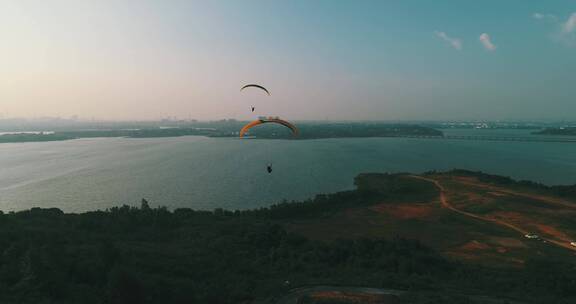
207,173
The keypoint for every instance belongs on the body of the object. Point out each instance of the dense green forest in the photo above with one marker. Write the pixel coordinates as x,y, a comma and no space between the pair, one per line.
154,255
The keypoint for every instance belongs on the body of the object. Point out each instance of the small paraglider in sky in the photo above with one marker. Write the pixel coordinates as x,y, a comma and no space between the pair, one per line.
252,85
257,86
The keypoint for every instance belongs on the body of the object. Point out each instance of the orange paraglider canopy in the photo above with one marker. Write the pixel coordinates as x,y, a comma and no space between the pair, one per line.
264,120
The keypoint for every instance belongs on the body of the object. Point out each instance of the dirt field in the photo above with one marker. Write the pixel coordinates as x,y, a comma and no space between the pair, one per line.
405,211
469,220
351,298
526,213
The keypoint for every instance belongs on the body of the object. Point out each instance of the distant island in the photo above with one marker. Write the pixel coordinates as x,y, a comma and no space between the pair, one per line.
419,236
346,130
230,128
567,131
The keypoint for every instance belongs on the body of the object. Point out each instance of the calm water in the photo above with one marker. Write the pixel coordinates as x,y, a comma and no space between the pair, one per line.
206,173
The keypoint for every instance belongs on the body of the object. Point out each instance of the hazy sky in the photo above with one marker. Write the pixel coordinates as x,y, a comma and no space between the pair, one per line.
333,59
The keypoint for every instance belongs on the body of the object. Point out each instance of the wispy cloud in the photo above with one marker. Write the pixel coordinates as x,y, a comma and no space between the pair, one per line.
454,42
545,17
487,42
565,31
570,25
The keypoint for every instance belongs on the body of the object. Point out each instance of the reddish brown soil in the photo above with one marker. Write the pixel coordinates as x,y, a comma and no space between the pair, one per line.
509,243
551,231
474,246
508,216
353,298
404,211
498,193
532,225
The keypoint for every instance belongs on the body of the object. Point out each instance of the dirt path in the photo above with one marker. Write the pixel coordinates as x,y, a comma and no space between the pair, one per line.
294,295
446,204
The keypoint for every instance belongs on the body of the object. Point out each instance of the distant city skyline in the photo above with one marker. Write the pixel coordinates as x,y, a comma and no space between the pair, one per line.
321,60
